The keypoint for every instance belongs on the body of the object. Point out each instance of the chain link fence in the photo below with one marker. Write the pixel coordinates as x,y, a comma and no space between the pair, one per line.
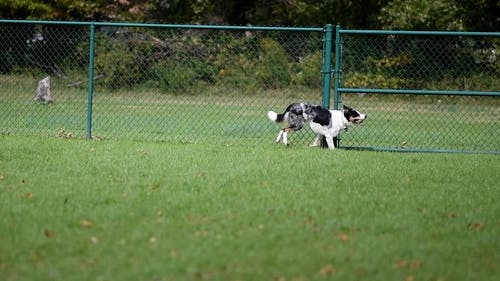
423,91
215,84
183,84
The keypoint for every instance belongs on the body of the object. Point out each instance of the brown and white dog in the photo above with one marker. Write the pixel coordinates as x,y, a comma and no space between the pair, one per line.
323,122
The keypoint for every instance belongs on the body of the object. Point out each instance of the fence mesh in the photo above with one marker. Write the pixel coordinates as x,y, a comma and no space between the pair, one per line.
215,85
163,84
392,61
28,54
423,62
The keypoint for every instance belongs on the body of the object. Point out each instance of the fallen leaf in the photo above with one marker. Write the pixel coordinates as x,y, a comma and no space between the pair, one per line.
94,240
326,270
29,195
65,135
416,264
401,263
2,177
35,257
86,223
152,240
342,236
476,226
49,234
409,278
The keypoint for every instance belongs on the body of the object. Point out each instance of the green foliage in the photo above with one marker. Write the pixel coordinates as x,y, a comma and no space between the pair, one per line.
121,63
307,71
22,9
479,15
370,14
177,76
235,61
247,63
420,15
273,68
373,80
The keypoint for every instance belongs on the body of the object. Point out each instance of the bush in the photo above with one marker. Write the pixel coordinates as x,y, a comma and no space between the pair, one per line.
177,76
235,62
373,80
122,63
273,68
307,72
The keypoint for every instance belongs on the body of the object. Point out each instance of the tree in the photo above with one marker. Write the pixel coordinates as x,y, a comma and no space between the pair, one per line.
480,15
128,10
420,15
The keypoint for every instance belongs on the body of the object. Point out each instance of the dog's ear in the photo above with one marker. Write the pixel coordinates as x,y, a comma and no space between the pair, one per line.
345,108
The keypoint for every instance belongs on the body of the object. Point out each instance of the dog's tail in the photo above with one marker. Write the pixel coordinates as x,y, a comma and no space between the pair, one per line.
276,117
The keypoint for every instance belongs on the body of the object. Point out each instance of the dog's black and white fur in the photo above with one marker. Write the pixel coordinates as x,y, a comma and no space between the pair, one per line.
323,122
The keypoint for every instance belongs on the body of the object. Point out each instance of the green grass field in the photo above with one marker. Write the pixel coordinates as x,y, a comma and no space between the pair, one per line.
123,210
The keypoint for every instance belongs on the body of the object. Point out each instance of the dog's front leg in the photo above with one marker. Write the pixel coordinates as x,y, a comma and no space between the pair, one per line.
329,141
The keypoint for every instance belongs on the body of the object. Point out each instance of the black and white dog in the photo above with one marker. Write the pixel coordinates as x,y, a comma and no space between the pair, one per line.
322,121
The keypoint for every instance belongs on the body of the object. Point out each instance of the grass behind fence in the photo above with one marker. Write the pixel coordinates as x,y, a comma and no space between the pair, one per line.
225,116
121,210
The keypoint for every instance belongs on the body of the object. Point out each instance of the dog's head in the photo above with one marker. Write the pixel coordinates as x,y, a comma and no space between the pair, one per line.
353,116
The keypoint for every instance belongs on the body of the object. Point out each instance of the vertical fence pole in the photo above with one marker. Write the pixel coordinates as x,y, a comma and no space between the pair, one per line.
327,65
336,71
336,76
327,71
90,81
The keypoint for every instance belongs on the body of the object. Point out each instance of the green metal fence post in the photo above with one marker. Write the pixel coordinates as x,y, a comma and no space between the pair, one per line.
90,81
336,76
327,65
336,71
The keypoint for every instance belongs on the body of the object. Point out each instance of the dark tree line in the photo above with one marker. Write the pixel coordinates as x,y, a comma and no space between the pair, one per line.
479,15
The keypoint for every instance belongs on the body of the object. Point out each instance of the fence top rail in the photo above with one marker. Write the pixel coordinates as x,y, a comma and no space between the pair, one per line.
171,26
417,92
412,32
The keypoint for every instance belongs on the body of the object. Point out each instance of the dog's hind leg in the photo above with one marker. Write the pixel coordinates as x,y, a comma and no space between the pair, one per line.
280,135
317,140
285,137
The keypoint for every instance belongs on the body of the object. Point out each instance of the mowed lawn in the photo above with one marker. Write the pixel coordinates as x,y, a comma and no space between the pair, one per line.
121,210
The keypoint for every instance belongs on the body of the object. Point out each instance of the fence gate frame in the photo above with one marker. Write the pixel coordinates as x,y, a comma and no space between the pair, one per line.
338,90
